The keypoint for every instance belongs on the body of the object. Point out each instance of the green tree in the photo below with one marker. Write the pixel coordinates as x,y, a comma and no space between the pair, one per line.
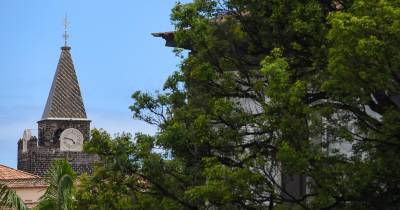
110,185
59,194
120,181
9,199
270,87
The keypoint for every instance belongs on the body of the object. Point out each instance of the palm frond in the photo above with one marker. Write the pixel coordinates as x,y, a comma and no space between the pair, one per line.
9,199
59,193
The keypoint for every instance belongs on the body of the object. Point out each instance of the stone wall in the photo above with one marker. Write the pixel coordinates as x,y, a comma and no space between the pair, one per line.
41,152
50,130
37,160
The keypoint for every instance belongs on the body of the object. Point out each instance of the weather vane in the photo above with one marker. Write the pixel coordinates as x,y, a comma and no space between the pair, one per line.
65,35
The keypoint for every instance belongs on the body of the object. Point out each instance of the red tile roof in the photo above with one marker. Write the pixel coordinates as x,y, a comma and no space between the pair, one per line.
14,178
7,173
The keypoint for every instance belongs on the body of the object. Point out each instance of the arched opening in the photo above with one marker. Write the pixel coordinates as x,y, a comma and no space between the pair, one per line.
57,134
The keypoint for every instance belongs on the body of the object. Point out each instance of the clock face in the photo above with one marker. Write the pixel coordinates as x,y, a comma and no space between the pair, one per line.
71,139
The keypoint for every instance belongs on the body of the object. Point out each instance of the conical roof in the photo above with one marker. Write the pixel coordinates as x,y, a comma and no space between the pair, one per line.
65,100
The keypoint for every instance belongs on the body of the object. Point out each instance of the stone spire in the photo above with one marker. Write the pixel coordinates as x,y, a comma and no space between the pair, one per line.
65,100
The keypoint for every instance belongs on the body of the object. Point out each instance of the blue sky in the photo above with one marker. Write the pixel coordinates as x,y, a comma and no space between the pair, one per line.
113,51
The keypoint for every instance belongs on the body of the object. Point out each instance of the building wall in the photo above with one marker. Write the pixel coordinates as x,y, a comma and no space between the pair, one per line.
37,160
30,195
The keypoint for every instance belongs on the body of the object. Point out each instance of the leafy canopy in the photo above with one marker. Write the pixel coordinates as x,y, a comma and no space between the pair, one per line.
271,89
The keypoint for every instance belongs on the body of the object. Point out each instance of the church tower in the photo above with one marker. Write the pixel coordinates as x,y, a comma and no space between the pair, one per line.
64,108
63,128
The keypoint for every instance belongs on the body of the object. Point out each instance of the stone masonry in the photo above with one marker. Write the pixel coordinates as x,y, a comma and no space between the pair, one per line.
50,130
37,160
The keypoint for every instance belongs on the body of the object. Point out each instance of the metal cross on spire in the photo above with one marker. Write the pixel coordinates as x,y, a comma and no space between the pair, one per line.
66,35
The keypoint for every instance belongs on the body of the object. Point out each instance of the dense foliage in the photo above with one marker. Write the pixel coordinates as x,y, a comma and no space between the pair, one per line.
302,88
